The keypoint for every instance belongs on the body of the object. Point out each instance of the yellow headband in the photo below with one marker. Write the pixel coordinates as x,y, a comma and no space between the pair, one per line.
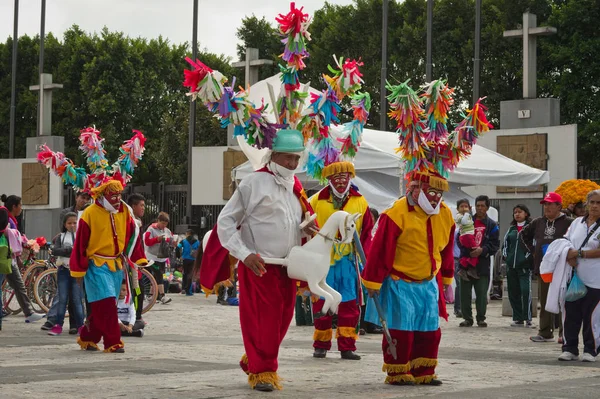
338,167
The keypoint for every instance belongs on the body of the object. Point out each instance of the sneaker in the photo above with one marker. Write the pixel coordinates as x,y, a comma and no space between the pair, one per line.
539,338
530,324
47,326
519,323
72,331
34,317
588,357
55,330
567,356
141,333
165,299
481,324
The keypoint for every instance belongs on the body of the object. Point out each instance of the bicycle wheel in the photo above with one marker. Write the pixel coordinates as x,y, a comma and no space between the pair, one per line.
149,288
9,299
46,288
29,278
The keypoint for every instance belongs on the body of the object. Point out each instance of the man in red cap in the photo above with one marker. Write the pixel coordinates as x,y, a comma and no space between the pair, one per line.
537,236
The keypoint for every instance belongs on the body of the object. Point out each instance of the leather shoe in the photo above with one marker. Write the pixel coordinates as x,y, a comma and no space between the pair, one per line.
320,353
350,355
264,387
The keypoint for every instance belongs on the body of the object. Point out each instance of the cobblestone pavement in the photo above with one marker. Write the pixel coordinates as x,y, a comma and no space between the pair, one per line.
192,347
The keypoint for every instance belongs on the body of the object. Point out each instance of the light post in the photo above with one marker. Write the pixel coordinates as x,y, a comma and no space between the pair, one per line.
192,124
13,83
383,98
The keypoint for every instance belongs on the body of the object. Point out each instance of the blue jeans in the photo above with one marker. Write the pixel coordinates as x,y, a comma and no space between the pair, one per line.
68,287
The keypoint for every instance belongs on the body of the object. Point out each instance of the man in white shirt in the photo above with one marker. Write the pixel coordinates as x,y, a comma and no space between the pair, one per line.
262,219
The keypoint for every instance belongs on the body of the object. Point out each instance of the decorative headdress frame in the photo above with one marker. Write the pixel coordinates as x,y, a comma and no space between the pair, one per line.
427,147
102,175
250,121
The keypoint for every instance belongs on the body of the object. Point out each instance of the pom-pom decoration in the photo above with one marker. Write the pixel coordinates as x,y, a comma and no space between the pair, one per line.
293,26
131,151
438,100
92,148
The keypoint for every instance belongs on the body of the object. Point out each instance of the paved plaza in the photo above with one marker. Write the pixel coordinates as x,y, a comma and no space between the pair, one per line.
192,347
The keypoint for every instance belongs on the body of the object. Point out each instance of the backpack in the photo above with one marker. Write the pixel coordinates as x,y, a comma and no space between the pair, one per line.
5,255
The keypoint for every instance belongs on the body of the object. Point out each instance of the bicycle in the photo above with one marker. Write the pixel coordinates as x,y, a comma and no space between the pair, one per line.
46,288
30,269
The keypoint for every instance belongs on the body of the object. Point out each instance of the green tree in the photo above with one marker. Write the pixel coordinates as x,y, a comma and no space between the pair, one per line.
260,34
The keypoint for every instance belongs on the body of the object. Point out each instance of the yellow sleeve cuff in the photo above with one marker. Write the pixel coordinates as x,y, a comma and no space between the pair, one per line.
77,274
447,280
141,262
371,285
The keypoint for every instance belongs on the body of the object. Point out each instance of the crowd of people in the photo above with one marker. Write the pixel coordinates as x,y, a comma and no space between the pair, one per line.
461,246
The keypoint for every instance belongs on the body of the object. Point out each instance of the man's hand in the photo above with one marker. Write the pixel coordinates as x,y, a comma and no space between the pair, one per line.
309,226
573,254
255,263
129,328
372,292
572,262
476,252
122,326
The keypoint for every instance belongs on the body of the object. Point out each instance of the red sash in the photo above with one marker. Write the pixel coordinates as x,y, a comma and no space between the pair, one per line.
216,262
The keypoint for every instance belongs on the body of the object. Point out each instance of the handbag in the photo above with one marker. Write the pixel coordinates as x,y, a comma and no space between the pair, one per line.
163,250
576,290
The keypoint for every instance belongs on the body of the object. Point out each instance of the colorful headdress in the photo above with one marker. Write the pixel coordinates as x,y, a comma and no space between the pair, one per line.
429,150
314,121
102,176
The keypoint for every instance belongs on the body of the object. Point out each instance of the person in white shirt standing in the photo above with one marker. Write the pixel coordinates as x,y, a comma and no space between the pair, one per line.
262,219
584,234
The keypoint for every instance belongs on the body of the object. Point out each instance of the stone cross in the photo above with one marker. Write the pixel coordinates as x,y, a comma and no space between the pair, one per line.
251,66
45,104
529,33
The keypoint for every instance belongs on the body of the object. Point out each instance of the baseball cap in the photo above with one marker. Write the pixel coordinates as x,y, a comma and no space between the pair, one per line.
552,198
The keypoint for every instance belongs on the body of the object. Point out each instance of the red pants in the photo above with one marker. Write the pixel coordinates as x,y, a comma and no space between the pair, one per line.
103,324
266,311
417,356
348,315
468,241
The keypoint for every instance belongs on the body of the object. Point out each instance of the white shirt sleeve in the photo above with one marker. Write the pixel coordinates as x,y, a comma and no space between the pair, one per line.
131,313
230,218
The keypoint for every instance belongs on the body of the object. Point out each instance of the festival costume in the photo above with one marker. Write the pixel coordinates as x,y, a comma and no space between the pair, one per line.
108,240
265,318
411,255
345,270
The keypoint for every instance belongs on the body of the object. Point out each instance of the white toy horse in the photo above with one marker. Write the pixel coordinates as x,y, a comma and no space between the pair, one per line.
310,262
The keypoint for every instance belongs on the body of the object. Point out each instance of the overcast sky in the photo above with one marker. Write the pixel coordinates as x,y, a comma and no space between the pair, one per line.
217,20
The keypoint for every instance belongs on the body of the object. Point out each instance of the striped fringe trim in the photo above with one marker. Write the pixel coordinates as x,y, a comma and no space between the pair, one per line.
425,379
86,344
269,377
113,348
423,362
395,368
244,359
399,378
213,290
346,332
323,335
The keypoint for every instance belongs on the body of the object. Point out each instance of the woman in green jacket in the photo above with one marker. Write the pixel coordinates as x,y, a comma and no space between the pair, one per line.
519,264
